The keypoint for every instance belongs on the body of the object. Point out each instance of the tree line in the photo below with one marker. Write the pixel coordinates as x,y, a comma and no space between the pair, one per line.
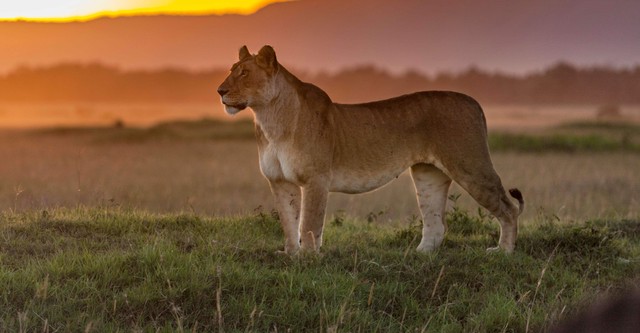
562,83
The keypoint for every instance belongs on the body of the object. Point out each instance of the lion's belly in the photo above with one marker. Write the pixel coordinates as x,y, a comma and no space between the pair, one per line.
279,163
360,181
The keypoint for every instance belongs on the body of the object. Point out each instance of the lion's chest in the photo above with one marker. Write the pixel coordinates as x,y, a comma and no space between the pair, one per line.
279,162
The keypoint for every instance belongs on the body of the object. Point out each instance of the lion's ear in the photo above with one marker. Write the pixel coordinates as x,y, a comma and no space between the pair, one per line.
244,53
266,59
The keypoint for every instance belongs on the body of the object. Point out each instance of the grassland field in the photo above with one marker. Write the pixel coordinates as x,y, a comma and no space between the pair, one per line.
574,171
170,228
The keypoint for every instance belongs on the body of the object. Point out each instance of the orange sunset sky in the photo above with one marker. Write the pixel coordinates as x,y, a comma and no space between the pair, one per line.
429,36
78,10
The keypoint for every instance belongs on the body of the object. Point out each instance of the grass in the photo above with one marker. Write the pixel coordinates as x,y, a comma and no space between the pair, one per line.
112,269
221,177
629,127
585,136
204,129
559,143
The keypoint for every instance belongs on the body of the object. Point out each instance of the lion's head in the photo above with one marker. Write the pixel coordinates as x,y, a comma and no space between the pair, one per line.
250,81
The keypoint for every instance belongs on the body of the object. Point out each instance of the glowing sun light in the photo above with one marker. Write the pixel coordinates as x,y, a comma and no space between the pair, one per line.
74,10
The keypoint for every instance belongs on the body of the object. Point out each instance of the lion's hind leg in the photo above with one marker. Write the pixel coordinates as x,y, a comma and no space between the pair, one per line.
432,186
486,188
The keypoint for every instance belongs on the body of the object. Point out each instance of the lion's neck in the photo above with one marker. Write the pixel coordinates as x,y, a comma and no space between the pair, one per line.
279,118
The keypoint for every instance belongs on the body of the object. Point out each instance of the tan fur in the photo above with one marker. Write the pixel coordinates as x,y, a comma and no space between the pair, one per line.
310,146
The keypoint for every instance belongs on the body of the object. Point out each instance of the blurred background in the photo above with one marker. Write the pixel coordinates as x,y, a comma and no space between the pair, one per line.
112,102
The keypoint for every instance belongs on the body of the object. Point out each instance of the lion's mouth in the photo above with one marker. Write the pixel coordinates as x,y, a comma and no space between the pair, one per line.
234,108
239,107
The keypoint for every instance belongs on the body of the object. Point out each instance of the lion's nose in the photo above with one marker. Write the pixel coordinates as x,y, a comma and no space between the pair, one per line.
222,91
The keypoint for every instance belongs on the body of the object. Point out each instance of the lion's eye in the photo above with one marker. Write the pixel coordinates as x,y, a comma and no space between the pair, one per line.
244,72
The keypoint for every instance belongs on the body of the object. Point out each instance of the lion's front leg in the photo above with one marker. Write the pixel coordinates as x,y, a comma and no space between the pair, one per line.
287,198
314,203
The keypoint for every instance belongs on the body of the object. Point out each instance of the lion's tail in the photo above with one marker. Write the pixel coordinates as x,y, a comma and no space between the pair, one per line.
515,193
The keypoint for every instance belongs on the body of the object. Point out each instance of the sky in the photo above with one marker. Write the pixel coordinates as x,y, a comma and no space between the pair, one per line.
74,10
429,36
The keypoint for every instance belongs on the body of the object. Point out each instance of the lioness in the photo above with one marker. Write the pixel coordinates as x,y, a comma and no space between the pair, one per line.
309,146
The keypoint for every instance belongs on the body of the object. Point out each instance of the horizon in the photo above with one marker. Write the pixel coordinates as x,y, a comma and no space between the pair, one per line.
330,72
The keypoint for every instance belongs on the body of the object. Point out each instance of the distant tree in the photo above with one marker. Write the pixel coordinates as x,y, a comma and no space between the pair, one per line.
561,83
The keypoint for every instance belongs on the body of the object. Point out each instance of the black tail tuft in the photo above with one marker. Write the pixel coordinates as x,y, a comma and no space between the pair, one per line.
515,193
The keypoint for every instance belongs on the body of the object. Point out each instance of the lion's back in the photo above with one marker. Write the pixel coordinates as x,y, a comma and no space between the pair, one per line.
437,111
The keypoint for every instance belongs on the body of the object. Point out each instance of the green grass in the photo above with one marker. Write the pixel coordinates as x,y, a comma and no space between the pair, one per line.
111,269
586,136
559,143
205,129
571,137
600,126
